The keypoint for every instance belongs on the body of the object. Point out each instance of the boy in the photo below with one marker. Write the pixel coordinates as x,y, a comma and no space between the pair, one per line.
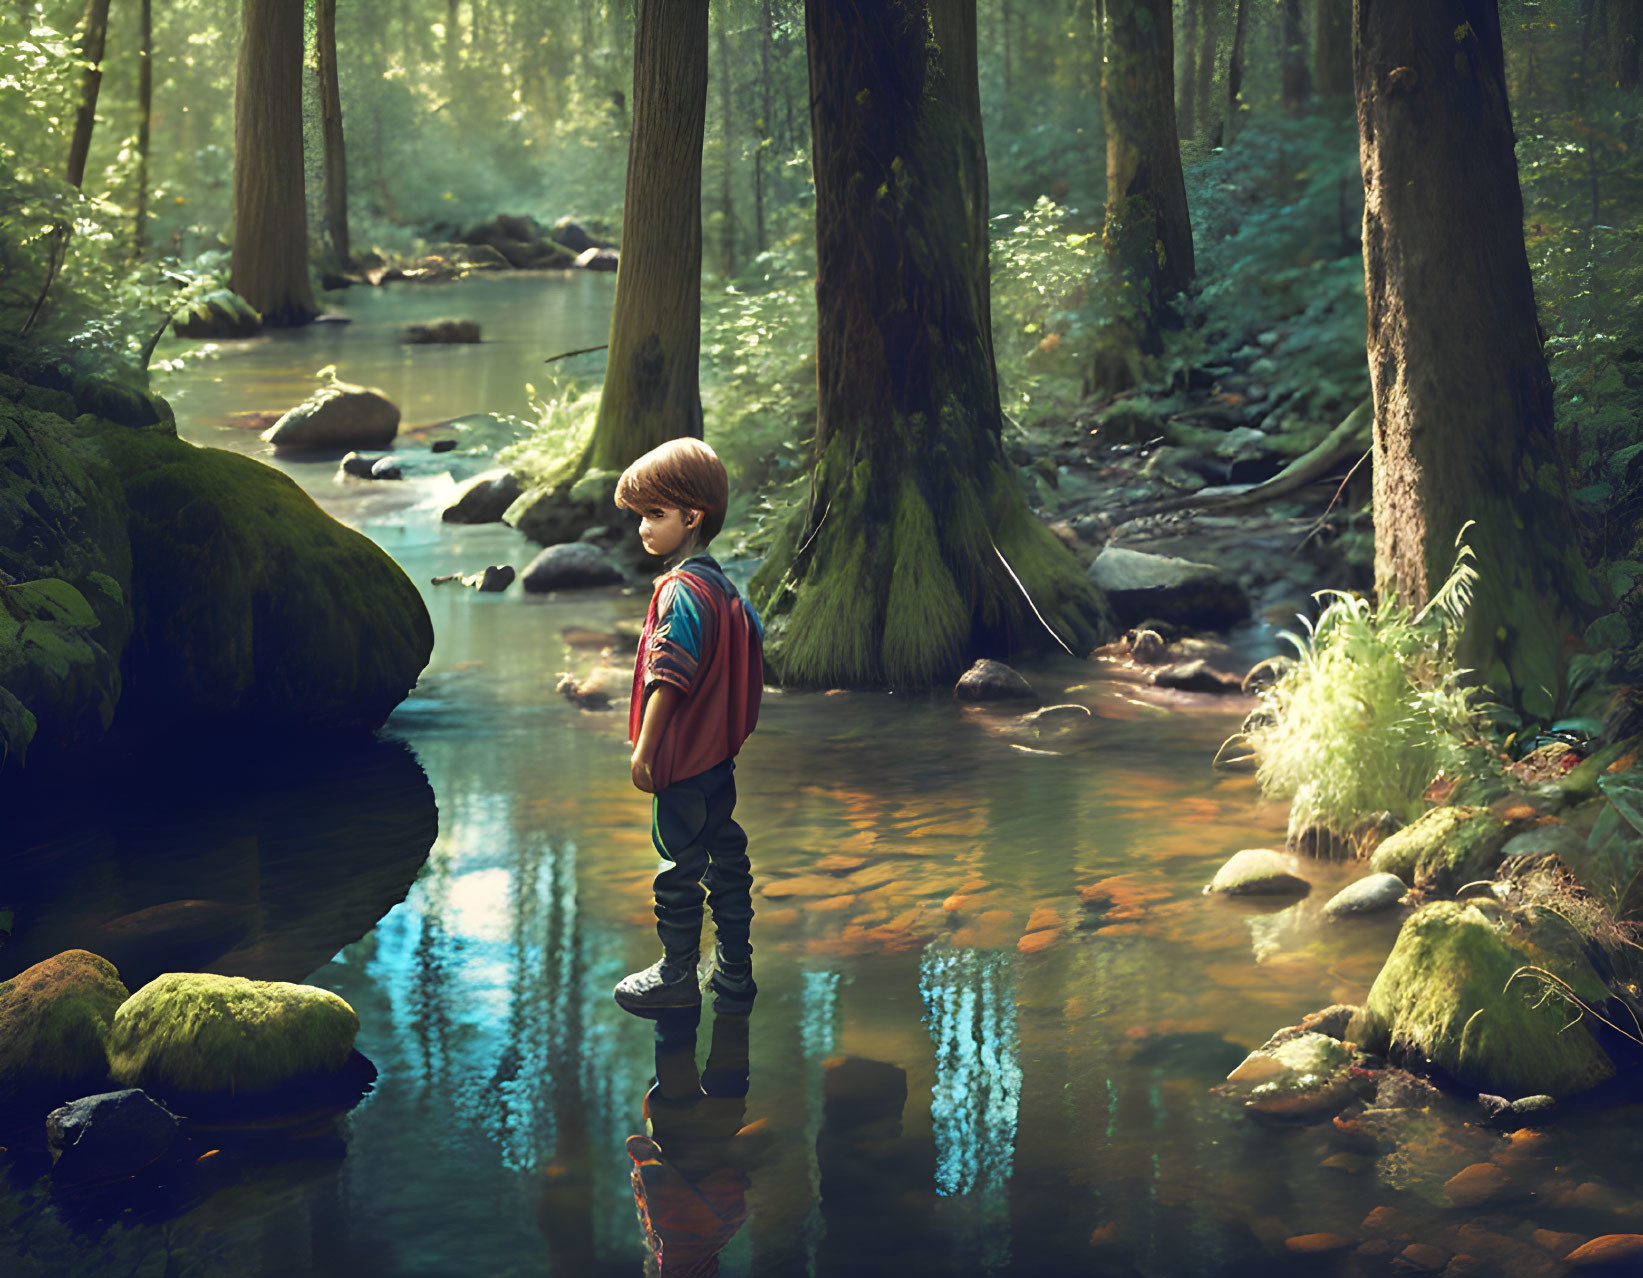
696,686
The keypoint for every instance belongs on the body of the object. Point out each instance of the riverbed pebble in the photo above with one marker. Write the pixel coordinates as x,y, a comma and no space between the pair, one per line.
1367,895
1259,872
572,565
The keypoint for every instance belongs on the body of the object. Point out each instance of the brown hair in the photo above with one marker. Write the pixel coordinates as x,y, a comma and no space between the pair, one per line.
683,473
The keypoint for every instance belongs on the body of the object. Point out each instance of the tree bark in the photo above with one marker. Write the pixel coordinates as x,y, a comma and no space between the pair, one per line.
652,382
1294,76
335,227
93,35
727,204
1187,90
896,573
1208,24
453,46
1463,401
270,261
1148,238
1626,46
1332,48
1235,71
766,126
145,106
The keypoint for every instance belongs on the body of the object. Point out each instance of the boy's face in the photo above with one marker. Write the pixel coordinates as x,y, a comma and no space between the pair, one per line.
663,529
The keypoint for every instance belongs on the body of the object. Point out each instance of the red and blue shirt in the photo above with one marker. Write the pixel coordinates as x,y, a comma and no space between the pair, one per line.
704,639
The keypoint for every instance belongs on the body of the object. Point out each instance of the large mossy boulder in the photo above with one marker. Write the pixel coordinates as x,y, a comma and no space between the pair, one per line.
1445,849
1140,586
252,602
55,1019
1449,997
196,1033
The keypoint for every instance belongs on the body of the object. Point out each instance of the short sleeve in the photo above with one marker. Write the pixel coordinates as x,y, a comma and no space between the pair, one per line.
675,649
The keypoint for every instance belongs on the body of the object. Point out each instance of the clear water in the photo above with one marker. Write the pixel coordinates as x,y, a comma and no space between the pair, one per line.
475,883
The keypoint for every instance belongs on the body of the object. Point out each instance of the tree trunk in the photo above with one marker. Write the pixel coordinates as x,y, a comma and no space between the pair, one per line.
453,46
766,127
1332,48
335,228
1463,401
1148,238
145,105
652,388
93,34
1294,75
896,573
1626,46
727,205
1235,71
1209,17
1187,91
270,262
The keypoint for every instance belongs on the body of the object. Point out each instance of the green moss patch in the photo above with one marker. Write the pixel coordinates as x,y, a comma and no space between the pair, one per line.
54,1025
1447,996
194,1032
1443,850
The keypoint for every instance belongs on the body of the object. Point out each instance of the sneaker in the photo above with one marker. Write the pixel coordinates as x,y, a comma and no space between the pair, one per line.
666,983
731,984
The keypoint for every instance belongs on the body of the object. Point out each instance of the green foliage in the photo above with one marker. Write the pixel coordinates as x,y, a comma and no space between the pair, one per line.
548,450
1371,711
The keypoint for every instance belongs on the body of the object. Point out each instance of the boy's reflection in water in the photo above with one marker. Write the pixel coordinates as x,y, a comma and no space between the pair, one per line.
690,1172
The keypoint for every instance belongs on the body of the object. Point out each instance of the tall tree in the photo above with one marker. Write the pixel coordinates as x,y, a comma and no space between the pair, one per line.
652,382
93,36
1626,45
1235,71
1186,96
270,260
1295,78
1332,48
1148,238
1209,21
727,205
917,551
145,104
335,226
1463,401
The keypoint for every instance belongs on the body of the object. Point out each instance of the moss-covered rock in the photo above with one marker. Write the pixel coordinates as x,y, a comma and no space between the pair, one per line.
1447,996
54,1026
252,602
196,1032
1445,849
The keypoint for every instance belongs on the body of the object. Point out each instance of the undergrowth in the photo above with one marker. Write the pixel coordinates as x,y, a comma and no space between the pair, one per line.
1373,708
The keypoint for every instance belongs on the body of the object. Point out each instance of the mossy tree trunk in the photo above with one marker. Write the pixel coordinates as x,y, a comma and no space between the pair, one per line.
270,262
1235,72
93,36
1625,32
1147,238
145,103
1332,48
652,383
1295,77
1463,401
895,575
336,157
727,204
1209,21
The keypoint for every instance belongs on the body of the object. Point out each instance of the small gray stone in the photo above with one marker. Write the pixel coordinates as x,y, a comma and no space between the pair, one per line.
597,259
1259,872
992,681
387,468
1141,586
1376,892
1194,676
441,331
489,580
357,464
337,416
573,565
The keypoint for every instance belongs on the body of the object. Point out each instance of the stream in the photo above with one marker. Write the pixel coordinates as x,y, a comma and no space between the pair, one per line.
927,1092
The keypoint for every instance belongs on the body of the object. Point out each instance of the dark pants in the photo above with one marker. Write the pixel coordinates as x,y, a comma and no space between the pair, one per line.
692,827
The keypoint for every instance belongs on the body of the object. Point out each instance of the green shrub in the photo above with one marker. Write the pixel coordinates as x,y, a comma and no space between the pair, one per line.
1371,711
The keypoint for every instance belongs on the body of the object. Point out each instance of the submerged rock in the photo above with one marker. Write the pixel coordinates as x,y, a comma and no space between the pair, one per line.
1366,896
441,331
992,681
1448,997
491,579
1297,1073
1141,586
337,416
196,1032
108,1137
597,259
1259,872
54,1026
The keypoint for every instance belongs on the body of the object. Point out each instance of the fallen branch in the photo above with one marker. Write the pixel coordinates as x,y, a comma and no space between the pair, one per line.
586,350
